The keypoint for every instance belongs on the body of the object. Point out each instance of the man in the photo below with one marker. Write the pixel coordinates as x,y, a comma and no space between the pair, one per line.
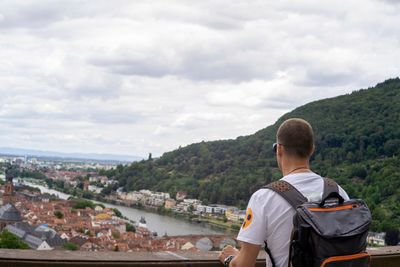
269,217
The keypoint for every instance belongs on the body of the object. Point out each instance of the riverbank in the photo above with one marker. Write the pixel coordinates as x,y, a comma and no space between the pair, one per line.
160,220
231,227
234,227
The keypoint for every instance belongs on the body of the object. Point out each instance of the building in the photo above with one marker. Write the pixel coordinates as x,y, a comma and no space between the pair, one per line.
242,215
210,209
9,214
98,208
235,215
9,194
145,192
38,238
134,196
232,214
78,240
94,189
156,202
220,209
181,195
193,202
201,209
170,203
160,195
185,207
376,239
36,243
31,197
86,185
100,179
90,246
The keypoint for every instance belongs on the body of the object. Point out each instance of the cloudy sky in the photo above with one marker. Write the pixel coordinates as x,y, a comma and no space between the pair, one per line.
133,77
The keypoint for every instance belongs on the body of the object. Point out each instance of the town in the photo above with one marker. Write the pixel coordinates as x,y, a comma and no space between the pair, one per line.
73,175
45,222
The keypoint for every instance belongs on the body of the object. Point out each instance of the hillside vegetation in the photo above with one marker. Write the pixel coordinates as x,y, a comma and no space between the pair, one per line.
357,144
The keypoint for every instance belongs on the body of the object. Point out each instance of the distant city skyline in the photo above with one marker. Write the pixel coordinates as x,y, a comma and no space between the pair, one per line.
32,153
133,78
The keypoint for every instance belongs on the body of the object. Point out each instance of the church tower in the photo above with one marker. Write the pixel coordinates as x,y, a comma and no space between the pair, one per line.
9,194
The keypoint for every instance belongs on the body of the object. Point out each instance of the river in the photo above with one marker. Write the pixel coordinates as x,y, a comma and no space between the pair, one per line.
155,222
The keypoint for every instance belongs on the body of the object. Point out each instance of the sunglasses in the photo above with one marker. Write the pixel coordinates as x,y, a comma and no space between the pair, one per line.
275,146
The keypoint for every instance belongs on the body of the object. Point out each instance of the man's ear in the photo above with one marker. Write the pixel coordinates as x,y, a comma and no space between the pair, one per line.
313,150
279,150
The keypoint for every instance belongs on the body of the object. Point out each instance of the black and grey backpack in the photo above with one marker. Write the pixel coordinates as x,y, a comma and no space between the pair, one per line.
330,233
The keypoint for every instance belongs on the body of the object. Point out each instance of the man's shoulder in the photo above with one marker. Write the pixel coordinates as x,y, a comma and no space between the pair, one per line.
265,195
261,193
310,184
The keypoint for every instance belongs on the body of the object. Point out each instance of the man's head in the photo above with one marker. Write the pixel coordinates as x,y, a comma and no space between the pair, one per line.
295,138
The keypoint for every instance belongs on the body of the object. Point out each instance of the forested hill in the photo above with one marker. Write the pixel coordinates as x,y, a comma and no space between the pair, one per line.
357,144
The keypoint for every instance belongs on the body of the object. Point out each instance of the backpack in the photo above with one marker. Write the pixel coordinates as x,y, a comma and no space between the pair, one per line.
329,233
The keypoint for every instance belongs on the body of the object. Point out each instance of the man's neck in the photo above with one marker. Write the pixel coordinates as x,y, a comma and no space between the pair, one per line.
295,167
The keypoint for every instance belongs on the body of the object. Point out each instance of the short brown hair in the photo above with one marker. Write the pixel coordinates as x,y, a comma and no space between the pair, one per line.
297,137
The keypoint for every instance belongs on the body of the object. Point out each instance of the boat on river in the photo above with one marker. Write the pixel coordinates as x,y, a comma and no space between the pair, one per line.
142,222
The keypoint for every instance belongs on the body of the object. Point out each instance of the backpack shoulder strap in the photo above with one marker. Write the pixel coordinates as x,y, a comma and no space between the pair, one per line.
330,186
288,192
331,190
291,195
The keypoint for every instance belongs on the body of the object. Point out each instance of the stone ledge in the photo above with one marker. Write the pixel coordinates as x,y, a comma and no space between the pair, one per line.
381,257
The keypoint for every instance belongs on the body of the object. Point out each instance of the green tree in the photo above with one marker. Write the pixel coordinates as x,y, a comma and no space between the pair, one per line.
116,234
58,214
82,204
117,212
392,237
359,171
11,241
235,227
70,246
130,228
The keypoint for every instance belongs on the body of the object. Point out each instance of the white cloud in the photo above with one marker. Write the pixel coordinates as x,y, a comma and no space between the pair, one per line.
137,77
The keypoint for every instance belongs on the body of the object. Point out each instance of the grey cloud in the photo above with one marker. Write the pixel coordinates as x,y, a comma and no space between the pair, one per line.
40,14
212,19
22,14
31,18
107,90
91,113
12,123
225,15
326,77
222,65
79,82
151,67
195,64
396,2
282,103
113,117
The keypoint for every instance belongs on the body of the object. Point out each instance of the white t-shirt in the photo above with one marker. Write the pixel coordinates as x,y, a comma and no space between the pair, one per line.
271,216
